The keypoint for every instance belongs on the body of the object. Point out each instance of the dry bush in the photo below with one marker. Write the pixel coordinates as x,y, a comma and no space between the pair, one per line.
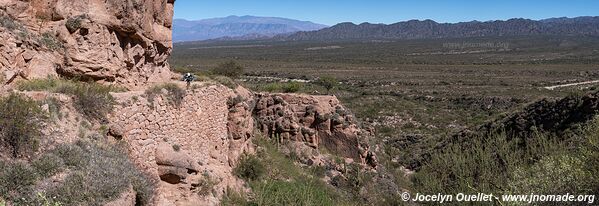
20,123
230,69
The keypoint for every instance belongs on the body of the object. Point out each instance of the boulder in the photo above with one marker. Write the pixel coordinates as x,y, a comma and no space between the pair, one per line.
174,166
167,156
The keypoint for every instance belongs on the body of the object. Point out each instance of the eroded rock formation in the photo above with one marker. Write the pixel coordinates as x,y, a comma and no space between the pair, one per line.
318,121
126,42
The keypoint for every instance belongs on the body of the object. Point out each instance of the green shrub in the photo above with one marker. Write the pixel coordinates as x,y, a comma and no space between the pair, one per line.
206,185
270,87
275,179
318,171
280,192
174,95
574,172
9,23
539,163
234,198
327,82
20,123
74,23
16,179
50,41
99,173
292,87
48,165
54,107
558,174
284,87
44,200
226,81
249,168
50,84
356,178
91,99
230,69
481,165
72,156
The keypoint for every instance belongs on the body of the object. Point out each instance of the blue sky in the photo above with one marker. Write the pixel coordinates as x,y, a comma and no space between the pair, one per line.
331,12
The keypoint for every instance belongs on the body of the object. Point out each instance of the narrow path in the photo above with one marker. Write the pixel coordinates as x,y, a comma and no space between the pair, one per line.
571,84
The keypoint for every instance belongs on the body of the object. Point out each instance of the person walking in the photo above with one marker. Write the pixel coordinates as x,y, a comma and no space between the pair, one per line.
188,77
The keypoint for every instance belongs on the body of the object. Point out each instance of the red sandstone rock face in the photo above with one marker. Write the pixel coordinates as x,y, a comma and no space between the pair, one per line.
115,41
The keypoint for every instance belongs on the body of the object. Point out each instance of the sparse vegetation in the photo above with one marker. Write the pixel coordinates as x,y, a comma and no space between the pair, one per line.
50,41
98,173
276,180
230,69
91,99
249,168
48,165
101,174
299,192
74,23
174,93
16,179
20,124
226,81
501,165
9,23
328,82
232,101
234,198
206,185
176,147
54,107
284,87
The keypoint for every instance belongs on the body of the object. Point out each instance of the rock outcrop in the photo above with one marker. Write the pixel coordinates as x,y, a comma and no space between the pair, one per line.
315,120
126,42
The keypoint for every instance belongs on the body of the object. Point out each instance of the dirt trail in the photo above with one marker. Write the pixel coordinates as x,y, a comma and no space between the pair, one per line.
571,84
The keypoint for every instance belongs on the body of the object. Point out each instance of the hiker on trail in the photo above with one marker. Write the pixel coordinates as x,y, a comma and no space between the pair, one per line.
188,77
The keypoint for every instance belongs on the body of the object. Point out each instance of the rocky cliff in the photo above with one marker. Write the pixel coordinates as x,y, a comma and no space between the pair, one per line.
122,42
183,147
317,121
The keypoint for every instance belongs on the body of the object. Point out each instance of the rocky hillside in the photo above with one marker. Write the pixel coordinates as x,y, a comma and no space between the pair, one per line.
90,116
428,29
119,42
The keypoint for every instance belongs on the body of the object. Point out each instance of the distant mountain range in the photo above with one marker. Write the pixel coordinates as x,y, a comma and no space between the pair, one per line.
238,27
429,29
